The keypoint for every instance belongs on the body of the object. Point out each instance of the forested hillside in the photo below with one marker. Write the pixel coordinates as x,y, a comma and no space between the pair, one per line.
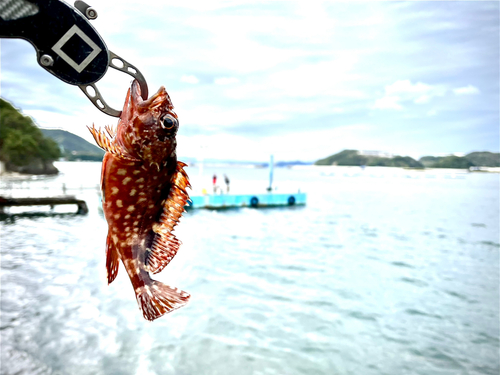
23,147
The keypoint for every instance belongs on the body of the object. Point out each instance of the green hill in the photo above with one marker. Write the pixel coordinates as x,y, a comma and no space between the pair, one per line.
428,161
474,159
23,147
74,147
451,161
354,158
346,157
484,159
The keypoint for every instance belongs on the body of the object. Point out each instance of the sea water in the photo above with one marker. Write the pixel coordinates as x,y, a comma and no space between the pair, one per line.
384,271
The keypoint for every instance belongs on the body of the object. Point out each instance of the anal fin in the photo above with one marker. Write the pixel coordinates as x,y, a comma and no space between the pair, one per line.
163,250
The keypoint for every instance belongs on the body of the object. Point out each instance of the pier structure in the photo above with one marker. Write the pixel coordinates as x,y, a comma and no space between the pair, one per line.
247,200
51,201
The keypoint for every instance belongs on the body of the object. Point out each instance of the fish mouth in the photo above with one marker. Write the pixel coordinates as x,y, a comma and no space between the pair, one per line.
159,101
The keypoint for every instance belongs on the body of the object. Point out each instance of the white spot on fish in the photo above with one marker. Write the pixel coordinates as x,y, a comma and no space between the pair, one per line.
136,172
119,203
116,216
140,180
141,186
130,208
114,238
127,216
122,172
132,192
136,222
127,229
155,177
142,193
114,190
142,200
136,230
126,180
151,205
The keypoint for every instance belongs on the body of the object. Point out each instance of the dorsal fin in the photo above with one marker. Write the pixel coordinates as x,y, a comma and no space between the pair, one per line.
165,244
111,130
109,145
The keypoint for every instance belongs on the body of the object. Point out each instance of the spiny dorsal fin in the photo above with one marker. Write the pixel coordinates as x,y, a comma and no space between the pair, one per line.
109,145
111,130
165,244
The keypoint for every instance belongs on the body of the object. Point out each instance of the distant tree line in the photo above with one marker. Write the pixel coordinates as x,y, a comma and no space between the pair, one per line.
23,147
354,158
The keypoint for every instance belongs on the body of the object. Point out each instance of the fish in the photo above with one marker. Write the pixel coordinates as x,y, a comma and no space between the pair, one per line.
144,194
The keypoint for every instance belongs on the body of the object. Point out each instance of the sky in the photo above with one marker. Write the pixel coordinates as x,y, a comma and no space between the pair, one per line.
301,80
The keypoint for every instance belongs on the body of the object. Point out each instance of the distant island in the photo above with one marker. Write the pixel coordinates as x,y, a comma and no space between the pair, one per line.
23,147
359,158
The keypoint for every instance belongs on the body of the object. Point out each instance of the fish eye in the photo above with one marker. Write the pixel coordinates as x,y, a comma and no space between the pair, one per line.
168,122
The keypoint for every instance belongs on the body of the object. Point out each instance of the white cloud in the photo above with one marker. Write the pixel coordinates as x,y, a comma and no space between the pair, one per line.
190,79
404,91
467,90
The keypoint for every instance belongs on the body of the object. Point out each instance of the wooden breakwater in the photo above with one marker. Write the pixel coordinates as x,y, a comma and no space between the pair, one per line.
50,201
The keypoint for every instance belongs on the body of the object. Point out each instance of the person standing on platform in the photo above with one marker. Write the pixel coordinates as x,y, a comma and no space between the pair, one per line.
214,181
226,179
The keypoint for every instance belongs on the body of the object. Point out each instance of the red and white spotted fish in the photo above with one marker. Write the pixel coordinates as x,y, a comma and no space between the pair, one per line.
144,194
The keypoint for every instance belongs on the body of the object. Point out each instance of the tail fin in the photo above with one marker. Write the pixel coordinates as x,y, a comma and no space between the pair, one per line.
156,299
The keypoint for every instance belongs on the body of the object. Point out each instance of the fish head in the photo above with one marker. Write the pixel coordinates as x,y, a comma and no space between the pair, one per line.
147,129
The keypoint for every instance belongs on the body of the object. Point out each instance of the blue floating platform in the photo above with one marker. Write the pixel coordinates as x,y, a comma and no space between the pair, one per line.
247,200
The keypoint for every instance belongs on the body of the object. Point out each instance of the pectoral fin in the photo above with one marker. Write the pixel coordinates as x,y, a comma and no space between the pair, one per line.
165,245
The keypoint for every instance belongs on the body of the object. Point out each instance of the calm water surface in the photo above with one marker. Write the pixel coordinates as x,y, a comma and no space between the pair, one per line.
385,271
